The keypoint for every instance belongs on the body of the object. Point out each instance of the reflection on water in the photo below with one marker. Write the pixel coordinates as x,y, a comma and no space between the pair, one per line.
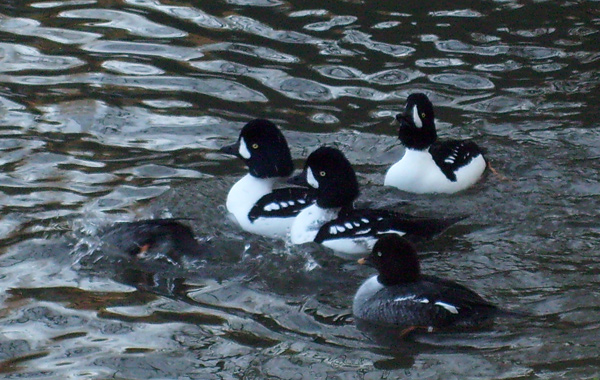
113,111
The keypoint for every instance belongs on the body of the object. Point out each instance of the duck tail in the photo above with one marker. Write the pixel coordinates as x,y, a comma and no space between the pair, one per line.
505,313
442,224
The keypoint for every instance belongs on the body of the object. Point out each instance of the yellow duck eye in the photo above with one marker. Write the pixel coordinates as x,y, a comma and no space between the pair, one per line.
322,174
254,146
423,115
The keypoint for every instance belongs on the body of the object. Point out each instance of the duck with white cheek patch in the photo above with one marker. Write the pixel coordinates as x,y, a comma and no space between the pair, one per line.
256,205
428,165
334,222
401,297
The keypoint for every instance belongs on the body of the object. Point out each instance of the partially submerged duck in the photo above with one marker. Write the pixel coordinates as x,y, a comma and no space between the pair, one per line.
167,237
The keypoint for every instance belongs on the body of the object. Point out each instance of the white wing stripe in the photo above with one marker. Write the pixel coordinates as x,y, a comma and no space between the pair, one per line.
412,297
451,308
272,207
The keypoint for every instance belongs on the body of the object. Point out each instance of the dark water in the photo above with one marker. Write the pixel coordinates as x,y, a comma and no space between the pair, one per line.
114,110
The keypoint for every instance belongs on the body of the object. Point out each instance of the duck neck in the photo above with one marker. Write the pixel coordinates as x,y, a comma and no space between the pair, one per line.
406,273
417,138
390,280
417,154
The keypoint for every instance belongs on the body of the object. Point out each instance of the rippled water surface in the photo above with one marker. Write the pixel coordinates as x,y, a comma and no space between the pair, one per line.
115,110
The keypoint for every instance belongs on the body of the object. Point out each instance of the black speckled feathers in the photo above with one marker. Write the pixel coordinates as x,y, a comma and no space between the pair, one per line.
451,155
284,202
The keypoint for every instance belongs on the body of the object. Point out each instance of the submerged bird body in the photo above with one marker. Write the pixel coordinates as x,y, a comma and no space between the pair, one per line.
401,296
428,165
166,237
254,203
333,221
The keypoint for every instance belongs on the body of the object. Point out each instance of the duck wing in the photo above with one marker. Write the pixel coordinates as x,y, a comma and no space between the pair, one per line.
451,155
356,223
284,202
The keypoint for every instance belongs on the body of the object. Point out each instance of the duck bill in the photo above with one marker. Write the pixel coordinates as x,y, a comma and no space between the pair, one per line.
299,180
364,261
232,149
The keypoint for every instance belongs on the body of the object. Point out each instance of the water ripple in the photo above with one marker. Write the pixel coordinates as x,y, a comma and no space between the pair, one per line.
386,25
295,88
532,52
548,67
309,12
191,14
122,127
335,21
536,52
251,50
457,13
509,65
393,77
463,81
219,88
385,77
65,3
361,38
256,3
131,68
15,57
159,172
501,104
531,33
252,26
303,89
456,46
339,72
439,62
143,49
29,27
135,24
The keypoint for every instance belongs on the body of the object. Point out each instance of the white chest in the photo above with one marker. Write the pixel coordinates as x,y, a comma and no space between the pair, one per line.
364,294
243,196
308,222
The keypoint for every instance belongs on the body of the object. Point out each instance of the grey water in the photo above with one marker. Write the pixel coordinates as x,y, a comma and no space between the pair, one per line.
115,110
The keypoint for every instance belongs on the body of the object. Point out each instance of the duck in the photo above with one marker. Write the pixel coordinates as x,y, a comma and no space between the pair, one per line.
400,296
429,165
255,204
146,238
334,222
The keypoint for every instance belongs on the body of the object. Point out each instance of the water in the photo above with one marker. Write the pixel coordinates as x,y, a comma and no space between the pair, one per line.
114,111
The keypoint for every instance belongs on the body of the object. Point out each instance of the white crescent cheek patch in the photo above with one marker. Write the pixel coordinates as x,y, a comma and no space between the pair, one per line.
417,118
244,152
310,178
